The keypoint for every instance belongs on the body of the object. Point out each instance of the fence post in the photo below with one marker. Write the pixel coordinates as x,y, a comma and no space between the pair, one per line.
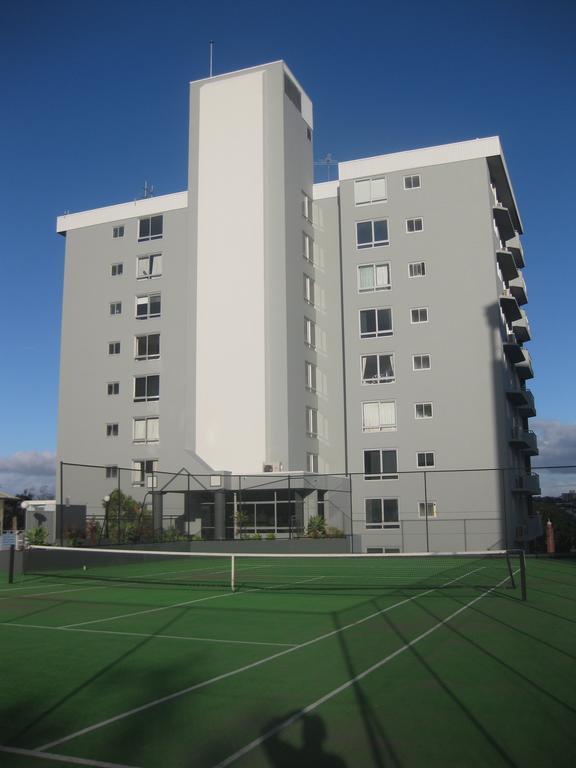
351,516
465,537
61,504
11,564
426,512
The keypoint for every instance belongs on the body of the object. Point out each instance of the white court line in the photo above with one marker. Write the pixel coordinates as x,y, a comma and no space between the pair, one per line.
143,634
62,758
57,592
323,699
27,586
245,668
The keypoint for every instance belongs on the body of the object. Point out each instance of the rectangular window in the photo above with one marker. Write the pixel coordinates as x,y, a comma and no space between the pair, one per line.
114,348
141,468
371,234
375,322
377,369
146,388
148,306
113,387
379,416
421,362
370,190
116,308
380,465
374,550
111,430
146,430
425,459
423,411
308,289
419,315
307,208
149,266
417,269
427,509
150,228
312,462
411,182
310,369
414,225
311,422
111,472
373,277
310,333
118,231
116,269
381,513
147,347
307,247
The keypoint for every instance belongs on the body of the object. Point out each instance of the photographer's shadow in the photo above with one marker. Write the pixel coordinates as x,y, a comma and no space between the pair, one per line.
310,753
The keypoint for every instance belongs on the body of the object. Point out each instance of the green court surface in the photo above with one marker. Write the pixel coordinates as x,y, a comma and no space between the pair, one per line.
345,665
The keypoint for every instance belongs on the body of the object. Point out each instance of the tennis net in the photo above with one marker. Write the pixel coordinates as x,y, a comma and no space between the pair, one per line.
478,570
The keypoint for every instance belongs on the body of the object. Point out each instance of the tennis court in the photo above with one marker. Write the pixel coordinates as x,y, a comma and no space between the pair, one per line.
141,661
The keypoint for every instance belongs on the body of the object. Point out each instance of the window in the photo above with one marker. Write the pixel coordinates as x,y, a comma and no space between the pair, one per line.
113,387
307,247
370,234
427,509
308,133
421,362
425,459
414,225
391,550
312,462
370,190
381,513
411,182
116,308
147,347
380,465
141,468
419,315
373,277
118,231
293,92
148,306
423,411
116,269
312,422
308,289
417,269
114,348
307,208
310,376
375,322
150,228
310,333
146,387
378,416
111,472
374,550
377,369
149,266
146,430
111,430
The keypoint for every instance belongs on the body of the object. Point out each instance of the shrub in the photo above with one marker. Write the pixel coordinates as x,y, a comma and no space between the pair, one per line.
316,527
270,536
335,533
36,536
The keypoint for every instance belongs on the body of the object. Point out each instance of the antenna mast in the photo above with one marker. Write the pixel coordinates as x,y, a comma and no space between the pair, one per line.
211,44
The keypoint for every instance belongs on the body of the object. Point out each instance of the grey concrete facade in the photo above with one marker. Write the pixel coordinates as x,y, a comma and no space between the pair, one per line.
259,280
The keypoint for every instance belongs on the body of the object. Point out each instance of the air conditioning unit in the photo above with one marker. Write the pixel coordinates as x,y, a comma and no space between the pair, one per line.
273,467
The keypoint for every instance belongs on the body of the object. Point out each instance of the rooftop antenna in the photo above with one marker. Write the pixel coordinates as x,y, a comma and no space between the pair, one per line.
211,44
328,161
148,190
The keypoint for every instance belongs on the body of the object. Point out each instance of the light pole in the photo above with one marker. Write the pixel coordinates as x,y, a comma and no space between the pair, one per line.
106,501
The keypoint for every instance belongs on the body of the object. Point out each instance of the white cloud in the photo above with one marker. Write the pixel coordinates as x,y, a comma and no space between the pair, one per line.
557,446
28,469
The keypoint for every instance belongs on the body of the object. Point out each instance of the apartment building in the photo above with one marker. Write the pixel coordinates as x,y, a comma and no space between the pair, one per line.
262,325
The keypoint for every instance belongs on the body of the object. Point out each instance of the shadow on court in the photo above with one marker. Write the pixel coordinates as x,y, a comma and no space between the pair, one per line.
311,753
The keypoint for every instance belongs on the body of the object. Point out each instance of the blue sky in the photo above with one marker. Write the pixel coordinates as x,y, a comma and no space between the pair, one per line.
94,101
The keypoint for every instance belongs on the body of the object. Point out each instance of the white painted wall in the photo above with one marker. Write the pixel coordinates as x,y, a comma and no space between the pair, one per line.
230,371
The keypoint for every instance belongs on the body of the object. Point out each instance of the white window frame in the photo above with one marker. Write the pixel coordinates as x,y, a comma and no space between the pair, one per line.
425,454
111,471
147,356
422,510
149,218
412,177
307,207
112,429
424,416
310,333
311,421
140,470
414,222
312,462
117,269
114,347
377,334
421,311
311,376
412,264
309,290
151,259
382,426
308,247
115,308
110,386
118,231
380,475
374,243
140,302
379,379
382,525
148,422
375,268
373,198
146,398
421,355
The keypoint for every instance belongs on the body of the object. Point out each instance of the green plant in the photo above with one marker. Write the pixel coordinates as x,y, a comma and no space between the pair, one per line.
37,535
334,533
316,527
196,537
75,537
270,536
93,528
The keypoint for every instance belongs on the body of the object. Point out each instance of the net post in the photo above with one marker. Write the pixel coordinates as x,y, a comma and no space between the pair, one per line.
11,564
510,571
233,573
522,559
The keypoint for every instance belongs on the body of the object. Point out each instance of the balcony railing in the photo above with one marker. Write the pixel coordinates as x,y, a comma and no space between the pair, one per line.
507,264
517,288
503,222
521,328
510,306
523,399
524,439
513,350
527,484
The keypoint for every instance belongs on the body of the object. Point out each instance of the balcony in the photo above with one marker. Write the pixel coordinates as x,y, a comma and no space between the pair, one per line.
507,264
525,440
517,288
513,350
524,369
523,399
518,253
522,328
527,484
503,222
510,307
